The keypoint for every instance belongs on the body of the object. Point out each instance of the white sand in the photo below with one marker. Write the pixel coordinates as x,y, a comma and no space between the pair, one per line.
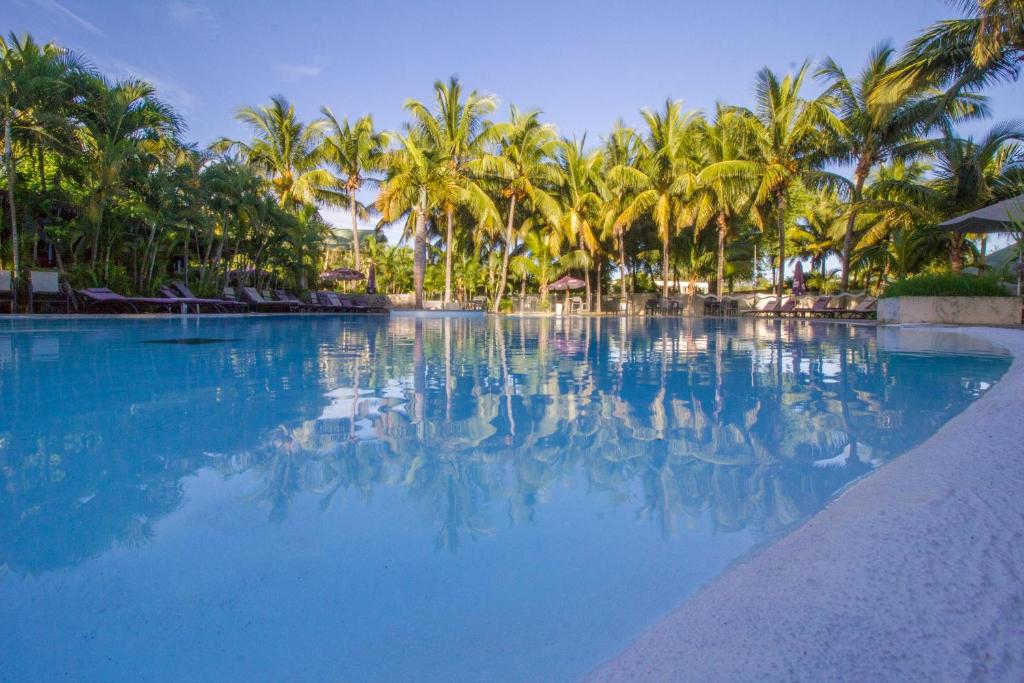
914,573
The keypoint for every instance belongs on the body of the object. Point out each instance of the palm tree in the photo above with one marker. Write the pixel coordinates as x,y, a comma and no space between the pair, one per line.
354,150
578,194
458,129
790,139
34,81
965,54
664,175
621,148
815,234
284,150
724,186
419,179
523,171
877,129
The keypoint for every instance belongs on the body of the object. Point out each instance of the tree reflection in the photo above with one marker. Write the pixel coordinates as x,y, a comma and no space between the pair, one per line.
720,424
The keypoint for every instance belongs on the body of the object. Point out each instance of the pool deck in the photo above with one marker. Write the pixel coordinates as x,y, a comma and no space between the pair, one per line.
914,573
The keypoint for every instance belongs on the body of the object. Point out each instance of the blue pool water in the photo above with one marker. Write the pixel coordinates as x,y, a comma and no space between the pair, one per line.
351,498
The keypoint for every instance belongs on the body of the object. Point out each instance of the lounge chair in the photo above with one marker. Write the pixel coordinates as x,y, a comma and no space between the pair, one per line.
342,305
788,308
197,302
865,310
314,306
764,307
6,293
361,306
101,297
712,306
819,309
45,288
225,305
257,302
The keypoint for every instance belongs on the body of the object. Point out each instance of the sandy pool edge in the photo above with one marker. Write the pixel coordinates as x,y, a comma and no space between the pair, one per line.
913,573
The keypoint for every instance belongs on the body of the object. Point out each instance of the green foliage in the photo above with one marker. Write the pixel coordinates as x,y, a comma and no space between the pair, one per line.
946,284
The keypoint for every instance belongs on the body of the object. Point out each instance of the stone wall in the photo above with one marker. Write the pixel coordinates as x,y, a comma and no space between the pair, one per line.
957,310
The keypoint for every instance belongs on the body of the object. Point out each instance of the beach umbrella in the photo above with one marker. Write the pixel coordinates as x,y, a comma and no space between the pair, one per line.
798,279
1004,216
371,280
341,275
566,283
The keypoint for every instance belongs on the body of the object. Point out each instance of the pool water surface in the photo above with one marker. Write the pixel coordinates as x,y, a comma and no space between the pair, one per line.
444,498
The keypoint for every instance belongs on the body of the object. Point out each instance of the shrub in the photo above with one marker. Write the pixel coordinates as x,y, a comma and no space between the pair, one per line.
946,284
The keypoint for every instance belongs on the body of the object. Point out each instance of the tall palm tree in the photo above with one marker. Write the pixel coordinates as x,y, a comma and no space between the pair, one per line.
621,148
522,170
34,80
664,176
284,150
458,128
877,129
354,150
578,194
790,137
419,179
815,233
724,184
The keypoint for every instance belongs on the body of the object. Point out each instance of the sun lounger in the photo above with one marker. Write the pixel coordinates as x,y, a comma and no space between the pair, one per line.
225,305
283,295
257,302
342,305
45,289
819,309
197,302
865,310
361,307
6,293
764,307
101,297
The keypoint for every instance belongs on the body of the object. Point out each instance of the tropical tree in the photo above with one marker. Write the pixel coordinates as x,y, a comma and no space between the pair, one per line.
578,194
283,150
521,169
35,82
790,139
664,175
622,148
724,184
419,179
457,128
878,128
353,150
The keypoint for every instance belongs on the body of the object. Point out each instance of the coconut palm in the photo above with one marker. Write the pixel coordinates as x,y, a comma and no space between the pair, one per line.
419,179
578,194
353,150
284,150
522,170
35,81
458,129
724,184
877,129
622,147
664,175
790,138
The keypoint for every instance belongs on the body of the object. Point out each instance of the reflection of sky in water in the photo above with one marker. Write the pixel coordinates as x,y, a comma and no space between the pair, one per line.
339,499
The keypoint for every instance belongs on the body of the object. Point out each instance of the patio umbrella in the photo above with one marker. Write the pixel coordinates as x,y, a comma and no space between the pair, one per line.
566,283
1004,216
371,280
798,279
341,275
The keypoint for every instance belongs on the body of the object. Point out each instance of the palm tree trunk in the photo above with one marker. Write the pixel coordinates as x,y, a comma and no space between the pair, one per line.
597,288
419,256
860,176
449,239
780,210
509,237
9,159
622,266
355,233
664,265
723,228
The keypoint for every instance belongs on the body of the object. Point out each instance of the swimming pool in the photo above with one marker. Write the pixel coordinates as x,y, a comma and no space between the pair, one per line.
352,498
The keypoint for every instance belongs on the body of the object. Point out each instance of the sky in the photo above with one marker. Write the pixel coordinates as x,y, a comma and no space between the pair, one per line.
584,64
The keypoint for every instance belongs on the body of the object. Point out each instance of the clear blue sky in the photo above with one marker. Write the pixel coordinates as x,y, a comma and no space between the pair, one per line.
584,64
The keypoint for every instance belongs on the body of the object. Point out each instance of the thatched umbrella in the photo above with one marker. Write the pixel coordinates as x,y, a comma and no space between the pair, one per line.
342,275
